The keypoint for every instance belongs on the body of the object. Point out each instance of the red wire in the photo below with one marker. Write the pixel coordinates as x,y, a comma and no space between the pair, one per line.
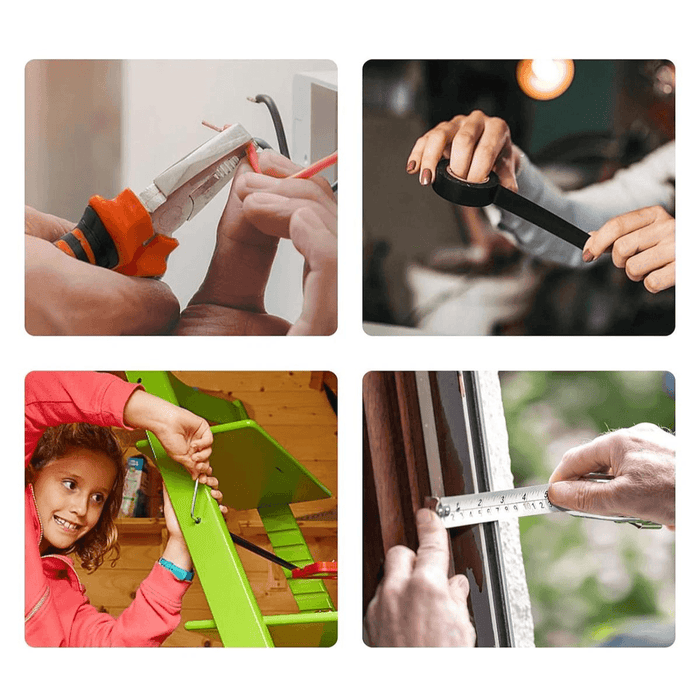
317,167
312,170
253,157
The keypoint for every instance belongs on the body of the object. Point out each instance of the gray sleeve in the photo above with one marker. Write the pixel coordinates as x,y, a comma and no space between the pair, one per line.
649,182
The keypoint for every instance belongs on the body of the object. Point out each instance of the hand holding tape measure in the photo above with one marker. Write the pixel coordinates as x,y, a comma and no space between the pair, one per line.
639,472
635,484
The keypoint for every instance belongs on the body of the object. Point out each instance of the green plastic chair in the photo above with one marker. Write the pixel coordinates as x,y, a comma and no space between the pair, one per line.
254,471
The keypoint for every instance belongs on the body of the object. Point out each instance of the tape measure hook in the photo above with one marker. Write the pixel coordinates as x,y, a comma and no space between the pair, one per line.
433,503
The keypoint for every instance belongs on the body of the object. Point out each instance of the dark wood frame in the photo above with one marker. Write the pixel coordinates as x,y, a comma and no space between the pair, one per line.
424,436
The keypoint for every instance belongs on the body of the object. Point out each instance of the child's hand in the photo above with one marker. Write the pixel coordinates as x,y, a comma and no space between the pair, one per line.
185,436
176,550
187,439
171,522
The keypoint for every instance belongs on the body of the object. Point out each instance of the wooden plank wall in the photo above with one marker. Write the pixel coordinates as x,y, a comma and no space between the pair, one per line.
294,409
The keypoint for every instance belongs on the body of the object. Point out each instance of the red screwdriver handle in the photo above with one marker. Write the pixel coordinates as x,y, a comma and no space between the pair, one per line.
320,569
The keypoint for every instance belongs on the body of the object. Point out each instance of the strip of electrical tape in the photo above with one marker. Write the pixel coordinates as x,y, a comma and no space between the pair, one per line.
467,194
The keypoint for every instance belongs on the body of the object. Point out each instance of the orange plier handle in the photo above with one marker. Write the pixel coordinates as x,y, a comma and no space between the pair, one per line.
118,234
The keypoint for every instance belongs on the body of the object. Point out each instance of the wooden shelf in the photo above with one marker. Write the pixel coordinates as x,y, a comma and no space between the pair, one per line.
148,526
313,528
136,526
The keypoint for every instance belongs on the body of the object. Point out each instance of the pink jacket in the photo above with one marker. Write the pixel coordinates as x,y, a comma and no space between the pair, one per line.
57,611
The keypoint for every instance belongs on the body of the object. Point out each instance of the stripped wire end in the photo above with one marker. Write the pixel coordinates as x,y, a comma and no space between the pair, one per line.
209,125
250,149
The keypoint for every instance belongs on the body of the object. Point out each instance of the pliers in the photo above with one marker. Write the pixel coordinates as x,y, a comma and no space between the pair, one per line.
132,234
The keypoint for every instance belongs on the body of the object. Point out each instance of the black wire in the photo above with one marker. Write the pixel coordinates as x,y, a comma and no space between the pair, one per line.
279,129
332,398
261,143
276,120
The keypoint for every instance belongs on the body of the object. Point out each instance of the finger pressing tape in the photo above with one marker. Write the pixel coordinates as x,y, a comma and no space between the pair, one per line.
481,194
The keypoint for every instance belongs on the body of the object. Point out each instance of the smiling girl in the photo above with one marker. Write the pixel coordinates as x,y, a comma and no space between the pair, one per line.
74,481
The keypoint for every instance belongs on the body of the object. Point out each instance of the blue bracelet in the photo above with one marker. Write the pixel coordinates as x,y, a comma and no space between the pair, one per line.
176,571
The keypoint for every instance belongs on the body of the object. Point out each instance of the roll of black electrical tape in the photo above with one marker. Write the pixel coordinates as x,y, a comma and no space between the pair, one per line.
468,194
459,191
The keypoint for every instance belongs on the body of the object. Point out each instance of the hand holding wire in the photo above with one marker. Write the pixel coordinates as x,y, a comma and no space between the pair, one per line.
261,209
306,212
270,201
310,171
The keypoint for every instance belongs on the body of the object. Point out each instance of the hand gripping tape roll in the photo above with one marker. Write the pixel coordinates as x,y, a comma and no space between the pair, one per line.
468,194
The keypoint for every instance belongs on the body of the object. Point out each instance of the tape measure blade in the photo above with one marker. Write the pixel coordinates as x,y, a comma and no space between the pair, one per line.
474,509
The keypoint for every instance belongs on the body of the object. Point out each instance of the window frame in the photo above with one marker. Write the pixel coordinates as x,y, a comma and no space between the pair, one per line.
425,434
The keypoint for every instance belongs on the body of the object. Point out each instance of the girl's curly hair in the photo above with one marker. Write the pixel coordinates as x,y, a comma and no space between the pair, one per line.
56,442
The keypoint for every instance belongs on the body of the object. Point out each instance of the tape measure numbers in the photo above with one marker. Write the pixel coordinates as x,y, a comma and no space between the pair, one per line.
476,508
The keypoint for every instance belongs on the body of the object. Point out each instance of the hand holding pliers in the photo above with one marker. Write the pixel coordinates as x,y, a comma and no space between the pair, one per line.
132,234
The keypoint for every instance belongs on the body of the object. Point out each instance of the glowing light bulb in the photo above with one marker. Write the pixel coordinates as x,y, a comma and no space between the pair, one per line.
544,79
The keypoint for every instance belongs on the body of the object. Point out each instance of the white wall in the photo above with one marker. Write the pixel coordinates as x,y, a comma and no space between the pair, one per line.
73,134
163,105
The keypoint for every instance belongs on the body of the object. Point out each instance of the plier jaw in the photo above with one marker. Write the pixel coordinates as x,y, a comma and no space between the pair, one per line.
132,234
179,193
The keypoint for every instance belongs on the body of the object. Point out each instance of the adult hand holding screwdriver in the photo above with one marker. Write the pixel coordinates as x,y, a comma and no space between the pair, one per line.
642,462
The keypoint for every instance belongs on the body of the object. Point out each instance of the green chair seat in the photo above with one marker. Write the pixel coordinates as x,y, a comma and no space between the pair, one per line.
254,470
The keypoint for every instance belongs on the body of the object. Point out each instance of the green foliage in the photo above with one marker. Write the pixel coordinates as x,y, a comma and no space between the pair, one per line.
568,574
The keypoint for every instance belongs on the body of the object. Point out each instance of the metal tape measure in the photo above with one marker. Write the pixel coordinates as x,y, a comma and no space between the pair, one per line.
475,508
